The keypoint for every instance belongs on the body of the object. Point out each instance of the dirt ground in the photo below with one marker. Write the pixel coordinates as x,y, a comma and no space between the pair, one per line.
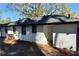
22,48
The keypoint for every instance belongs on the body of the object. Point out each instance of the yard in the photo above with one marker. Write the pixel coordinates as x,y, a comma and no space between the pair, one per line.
22,48
19,49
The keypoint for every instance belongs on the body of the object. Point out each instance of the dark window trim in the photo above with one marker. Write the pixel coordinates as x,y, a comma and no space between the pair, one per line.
77,39
1,32
34,28
0,28
23,28
5,29
14,29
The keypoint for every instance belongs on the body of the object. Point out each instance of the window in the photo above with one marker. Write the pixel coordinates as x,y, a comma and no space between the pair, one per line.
23,30
67,33
5,29
0,29
34,29
14,29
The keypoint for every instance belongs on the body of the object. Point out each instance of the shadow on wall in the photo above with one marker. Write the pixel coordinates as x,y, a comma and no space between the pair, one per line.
48,40
55,40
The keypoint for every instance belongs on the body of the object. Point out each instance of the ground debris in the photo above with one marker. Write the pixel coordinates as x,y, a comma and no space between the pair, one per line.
2,52
49,50
68,52
25,48
53,51
10,39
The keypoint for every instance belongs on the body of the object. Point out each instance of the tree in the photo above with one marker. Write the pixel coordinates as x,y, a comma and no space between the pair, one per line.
35,10
51,8
65,10
38,11
5,20
74,15
23,10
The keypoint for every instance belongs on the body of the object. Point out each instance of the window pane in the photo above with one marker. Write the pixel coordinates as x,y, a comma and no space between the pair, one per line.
5,29
14,28
34,29
23,30
0,28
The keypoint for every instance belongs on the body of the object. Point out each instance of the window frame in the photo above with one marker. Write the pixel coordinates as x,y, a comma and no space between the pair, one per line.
34,29
14,29
6,31
23,30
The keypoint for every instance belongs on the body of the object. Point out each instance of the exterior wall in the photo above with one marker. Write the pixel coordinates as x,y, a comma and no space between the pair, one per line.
47,29
0,33
10,30
29,35
64,36
38,37
17,32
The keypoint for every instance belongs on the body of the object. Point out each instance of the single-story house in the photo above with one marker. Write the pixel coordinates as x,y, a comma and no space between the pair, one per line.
61,31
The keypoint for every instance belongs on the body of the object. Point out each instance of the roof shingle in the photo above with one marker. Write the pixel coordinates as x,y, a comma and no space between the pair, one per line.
44,20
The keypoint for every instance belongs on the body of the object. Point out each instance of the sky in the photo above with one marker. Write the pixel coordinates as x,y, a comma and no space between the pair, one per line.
7,12
74,7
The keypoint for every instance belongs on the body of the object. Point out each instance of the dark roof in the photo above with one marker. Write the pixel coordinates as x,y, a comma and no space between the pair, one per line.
57,19
2,25
49,19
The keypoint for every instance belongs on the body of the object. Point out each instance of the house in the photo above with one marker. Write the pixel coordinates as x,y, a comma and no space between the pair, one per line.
61,31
